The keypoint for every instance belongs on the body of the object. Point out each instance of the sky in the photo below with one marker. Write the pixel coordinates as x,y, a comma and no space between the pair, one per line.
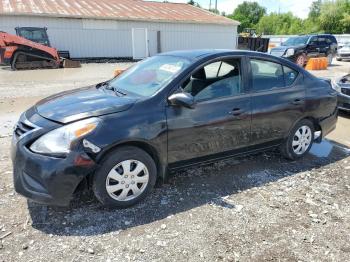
299,8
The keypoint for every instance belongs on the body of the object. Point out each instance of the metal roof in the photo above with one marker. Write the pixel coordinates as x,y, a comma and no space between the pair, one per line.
113,9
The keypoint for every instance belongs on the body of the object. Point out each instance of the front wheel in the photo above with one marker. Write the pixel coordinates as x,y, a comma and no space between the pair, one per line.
126,176
338,59
299,141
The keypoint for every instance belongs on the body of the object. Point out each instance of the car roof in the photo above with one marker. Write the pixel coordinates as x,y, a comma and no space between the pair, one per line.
199,54
203,53
317,35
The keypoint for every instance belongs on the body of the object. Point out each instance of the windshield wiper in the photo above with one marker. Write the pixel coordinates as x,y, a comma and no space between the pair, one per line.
116,90
107,86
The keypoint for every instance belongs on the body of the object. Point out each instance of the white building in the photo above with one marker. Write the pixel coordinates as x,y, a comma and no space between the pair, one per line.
120,28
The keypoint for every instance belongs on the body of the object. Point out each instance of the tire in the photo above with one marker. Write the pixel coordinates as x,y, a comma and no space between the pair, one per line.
301,60
291,148
339,59
125,188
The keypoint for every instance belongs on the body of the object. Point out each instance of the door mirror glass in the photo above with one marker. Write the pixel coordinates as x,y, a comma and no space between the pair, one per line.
182,99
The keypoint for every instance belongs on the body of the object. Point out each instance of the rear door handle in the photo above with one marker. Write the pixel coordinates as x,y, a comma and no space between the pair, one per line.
297,101
236,112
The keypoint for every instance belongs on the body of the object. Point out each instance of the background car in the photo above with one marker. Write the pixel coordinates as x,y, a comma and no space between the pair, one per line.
343,52
300,48
342,86
163,114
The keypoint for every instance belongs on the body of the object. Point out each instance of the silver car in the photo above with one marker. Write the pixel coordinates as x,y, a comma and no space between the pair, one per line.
342,86
343,52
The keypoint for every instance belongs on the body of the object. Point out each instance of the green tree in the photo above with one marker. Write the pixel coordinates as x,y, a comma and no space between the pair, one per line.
331,16
281,24
315,10
191,2
248,14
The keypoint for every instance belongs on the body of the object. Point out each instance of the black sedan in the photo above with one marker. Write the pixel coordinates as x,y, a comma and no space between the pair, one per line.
167,112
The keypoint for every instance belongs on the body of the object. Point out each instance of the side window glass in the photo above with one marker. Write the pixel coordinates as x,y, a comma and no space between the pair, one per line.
266,75
289,75
328,40
205,85
212,69
225,69
313,40
321,40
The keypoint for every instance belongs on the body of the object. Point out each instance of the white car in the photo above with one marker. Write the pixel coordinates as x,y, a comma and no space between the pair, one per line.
343,52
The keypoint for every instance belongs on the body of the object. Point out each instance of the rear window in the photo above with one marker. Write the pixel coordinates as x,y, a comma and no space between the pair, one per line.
269,75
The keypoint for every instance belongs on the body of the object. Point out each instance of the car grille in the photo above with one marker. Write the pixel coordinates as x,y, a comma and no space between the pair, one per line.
346,91
277,53
344,55
22,128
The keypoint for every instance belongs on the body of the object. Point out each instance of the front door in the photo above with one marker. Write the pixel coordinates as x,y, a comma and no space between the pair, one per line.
219,122
139,43
312,48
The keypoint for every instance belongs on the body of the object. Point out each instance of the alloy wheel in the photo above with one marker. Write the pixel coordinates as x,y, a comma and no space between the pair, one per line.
302,140
127,180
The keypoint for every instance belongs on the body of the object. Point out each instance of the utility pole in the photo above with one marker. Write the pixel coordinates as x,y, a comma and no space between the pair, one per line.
209,4
216,5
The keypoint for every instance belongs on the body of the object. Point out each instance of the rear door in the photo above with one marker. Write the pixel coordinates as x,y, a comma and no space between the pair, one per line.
278,100
219,122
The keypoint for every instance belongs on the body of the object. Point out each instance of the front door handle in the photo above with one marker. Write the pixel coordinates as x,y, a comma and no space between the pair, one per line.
236,112
297,101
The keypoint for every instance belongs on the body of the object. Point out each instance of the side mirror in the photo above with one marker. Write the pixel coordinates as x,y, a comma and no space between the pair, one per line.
182,99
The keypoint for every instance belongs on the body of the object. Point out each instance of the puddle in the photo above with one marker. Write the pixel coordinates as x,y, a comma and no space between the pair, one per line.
325,148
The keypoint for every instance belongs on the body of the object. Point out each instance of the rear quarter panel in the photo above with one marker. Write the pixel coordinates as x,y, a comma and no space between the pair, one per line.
321,99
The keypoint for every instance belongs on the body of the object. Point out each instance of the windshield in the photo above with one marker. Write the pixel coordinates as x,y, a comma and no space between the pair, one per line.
150,75
299,40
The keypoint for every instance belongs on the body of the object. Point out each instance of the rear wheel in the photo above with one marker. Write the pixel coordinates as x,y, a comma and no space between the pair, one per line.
125,177
299,141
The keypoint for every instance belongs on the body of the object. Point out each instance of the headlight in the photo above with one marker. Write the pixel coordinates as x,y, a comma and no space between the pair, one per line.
289,52
59,141
335,86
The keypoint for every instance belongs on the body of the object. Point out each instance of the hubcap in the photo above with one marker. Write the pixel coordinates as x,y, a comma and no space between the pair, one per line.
302,140
127,180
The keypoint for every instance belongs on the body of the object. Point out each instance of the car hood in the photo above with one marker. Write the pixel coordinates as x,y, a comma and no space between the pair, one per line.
81,103
345,49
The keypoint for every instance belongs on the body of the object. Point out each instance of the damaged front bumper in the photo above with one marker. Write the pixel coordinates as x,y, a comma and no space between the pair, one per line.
47,179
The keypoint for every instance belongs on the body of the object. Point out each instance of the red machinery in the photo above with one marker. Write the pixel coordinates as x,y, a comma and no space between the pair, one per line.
21,53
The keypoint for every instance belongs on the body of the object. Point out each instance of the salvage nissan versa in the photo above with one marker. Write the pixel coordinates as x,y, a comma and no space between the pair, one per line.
167,112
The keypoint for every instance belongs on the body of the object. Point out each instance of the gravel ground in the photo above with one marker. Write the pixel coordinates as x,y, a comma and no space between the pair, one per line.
255,208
